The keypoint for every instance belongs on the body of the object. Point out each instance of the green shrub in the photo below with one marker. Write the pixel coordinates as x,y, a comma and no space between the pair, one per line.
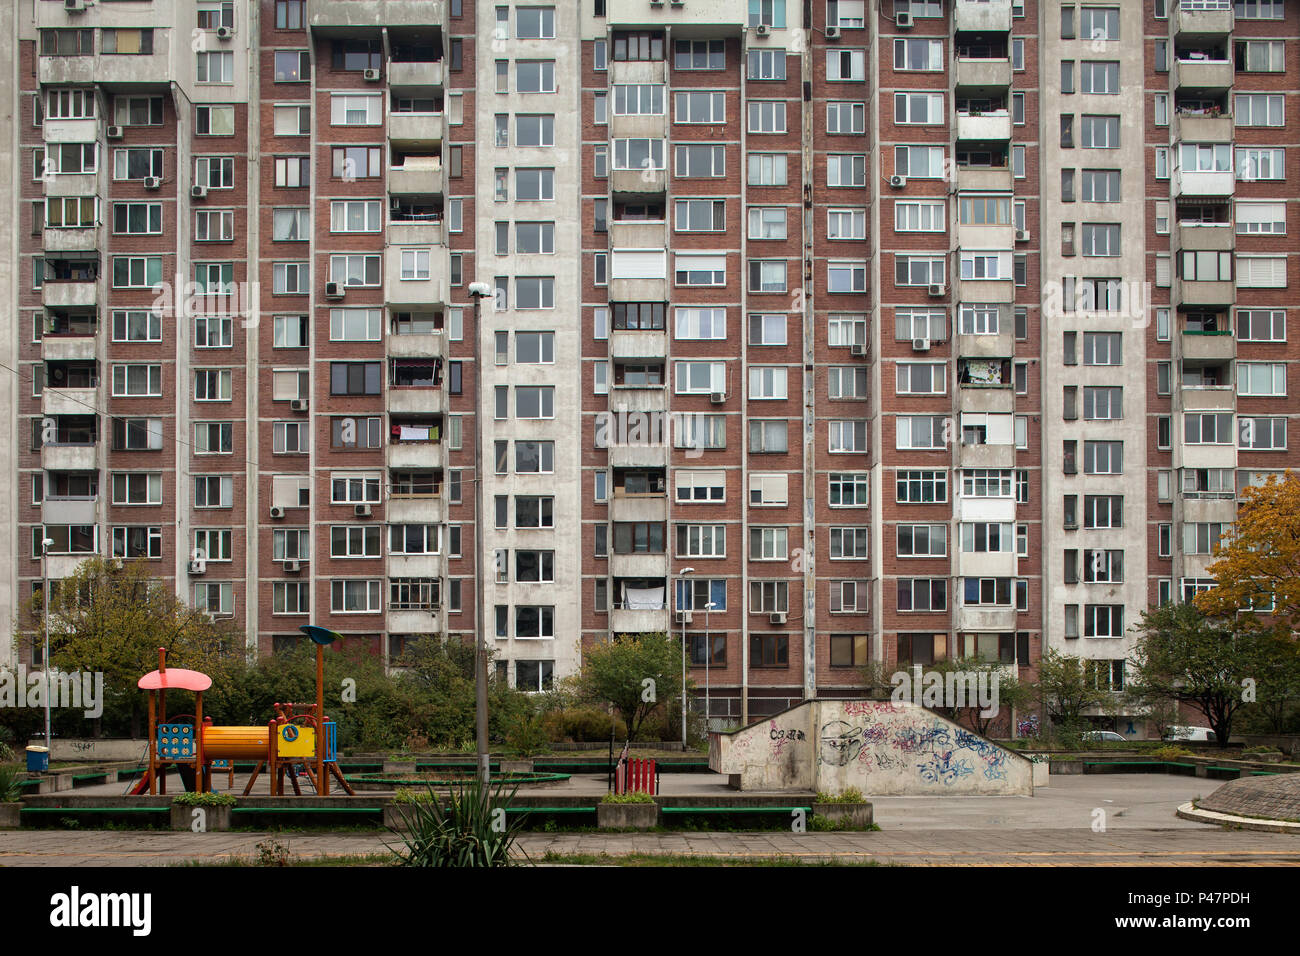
526,736
849,795
10,782
204,800
581,725
472,829
1170,752
1262,749
406,795
271,852
627,798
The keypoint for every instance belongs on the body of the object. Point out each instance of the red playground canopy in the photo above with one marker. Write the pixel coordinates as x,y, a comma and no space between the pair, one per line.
174,678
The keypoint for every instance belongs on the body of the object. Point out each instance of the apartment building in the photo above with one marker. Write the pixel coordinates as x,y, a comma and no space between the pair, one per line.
821,334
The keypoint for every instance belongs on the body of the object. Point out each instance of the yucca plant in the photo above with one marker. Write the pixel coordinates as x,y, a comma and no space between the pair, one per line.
470,828
10,782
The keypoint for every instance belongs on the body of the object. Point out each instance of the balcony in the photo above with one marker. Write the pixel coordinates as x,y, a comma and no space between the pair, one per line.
418,176
638,507
638,182
432,345
984,73
729,15
639,71
641,455
986,456
80,510
1203,18
1205,236
630,399
68,294
69,401
1001,291
118,70
1197,293
416,401
1209,346
72,131
984,179
984,127
986,619
415,509
416,294
72,184
983,15
1220,398
415,621
415,131
638,565
626,620
71,457
413,452
1000,399
67,348
638,126
415,565
1213,184
1202,127
422,232
638,344
985,564
343,17
634,234
971,236
1216,510
415,76
78,239
1203,74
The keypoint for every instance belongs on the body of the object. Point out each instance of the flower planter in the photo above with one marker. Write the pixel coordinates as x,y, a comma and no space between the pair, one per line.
623,816
212,818
855,815
9,815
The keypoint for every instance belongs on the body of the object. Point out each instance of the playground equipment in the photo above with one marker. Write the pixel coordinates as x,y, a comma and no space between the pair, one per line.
298,734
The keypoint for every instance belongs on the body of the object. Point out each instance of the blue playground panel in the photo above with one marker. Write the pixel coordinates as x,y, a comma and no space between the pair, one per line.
176,741
331,740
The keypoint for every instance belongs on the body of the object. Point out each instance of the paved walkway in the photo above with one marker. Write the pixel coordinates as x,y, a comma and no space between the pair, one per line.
1052,828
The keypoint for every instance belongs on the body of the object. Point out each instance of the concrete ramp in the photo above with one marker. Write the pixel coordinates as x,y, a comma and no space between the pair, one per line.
883,748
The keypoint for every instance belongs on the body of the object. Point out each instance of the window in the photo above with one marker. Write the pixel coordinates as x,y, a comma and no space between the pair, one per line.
1261,325
918,270
698,487
849,543
1099,23
768,544
688,54
638,154
918,487
136,542
767,169
704,215
694,269
1103,403
1255,164
210,225
845,118
137,381
1099,132
1258,109
701,107
766,64
767,436
767,275
1100,239
919,162
765,382
920,378
844,330
533,401
1103,457
918,108
1103,511
137,488
848,436
846,276
918,216
1102,348
347,162
1099,76
848,490
922,594
1103,620
213,120
292,172
535,23
918,54
918,432
928,324
693,540
1261,378
846,224
922,541
700,161
137,434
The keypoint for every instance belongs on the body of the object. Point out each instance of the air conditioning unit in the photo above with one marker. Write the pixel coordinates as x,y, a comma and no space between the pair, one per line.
113,132
277,511
898,182
682,617
832,33
333,290
920,345
857,349
935,288
763,30
777,618
292,567
718,398
153,182
74,6
298,405
197,567
362,511
225,33
903,21
1022,235
371,76
198,192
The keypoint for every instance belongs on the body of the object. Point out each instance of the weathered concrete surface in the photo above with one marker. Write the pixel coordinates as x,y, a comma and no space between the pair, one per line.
1272,798
879,747
621,816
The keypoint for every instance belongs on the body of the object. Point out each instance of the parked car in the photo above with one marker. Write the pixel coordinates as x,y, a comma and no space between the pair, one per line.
1189,733
1107,736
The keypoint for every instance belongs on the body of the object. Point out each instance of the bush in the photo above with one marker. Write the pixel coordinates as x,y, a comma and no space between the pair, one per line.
471,830
10,782
1170,752
526,736
581,725
849,795
1262,749
204,799
627,798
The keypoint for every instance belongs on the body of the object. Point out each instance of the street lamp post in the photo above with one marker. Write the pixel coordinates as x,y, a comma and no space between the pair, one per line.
680,581
708,653
478,290
45,627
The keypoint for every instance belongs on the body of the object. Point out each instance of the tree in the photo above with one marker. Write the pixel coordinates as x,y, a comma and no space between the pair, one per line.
1011,693
112,619
1208,663
1261,554
634,673
1065,688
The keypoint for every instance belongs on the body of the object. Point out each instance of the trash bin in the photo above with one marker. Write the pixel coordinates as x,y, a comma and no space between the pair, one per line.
38,759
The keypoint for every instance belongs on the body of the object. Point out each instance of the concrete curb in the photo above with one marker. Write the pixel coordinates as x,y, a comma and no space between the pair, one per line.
1189,811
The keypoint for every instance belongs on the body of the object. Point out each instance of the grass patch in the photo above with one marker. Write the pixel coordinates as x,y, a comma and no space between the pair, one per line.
684,859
